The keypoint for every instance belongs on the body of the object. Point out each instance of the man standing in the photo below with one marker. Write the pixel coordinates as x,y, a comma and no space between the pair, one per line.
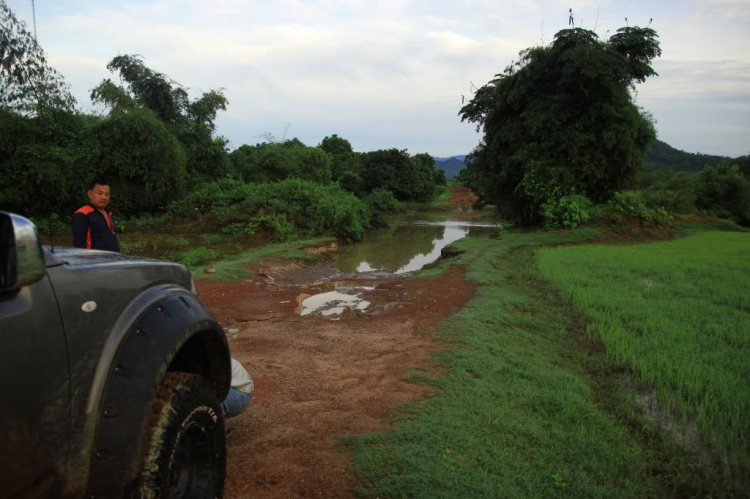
92,225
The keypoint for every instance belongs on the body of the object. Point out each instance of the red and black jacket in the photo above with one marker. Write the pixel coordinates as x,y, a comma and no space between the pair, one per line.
93,229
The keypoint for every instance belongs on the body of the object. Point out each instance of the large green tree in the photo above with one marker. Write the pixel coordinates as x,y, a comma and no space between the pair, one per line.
409,178
562,120
28,84
724,190
193,122
143,161
344,163
271,162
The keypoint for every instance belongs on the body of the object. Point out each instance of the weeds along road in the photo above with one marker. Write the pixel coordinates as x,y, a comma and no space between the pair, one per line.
318,379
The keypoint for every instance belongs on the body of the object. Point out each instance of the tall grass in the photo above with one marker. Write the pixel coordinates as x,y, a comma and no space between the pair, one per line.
678,315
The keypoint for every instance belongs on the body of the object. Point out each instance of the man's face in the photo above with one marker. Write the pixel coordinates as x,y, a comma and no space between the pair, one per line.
99,196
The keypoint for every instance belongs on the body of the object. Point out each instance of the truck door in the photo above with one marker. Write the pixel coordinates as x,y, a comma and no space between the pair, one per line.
34,385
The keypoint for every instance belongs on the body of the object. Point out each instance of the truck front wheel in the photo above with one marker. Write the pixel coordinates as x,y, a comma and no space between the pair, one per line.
186,454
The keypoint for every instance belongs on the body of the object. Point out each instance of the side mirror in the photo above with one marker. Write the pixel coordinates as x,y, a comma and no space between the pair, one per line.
21,257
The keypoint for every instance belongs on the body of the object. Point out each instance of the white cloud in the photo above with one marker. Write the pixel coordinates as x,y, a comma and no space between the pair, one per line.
391,73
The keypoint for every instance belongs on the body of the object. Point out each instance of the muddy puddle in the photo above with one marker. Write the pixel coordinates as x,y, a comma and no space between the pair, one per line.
334,303
407,246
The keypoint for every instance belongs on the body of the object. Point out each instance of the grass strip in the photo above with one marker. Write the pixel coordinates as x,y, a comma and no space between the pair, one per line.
236,266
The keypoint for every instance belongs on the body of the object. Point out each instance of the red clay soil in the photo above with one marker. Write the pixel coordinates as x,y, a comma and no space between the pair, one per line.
319,379
463,197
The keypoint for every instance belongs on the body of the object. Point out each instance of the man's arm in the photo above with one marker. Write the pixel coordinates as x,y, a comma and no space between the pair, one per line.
79,226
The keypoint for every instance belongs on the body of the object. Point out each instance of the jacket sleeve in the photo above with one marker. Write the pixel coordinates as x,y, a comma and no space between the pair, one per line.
79,226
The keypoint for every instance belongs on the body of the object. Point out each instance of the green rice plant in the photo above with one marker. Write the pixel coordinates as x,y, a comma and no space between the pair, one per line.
677,314
523,410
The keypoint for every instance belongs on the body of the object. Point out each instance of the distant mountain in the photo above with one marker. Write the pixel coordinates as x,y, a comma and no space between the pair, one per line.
658,157
452,165
661,155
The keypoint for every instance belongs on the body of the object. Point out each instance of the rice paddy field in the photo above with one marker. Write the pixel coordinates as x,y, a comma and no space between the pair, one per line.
676,314
581,370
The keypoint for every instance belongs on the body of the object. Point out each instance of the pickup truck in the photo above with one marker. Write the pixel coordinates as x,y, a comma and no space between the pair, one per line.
112,374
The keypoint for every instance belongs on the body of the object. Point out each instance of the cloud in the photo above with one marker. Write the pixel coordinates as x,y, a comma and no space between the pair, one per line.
390,73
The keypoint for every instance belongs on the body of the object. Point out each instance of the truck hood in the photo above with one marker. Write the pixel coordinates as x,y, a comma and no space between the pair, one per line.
78,256
97,268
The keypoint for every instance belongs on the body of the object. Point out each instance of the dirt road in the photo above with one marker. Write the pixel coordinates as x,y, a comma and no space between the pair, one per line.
319,379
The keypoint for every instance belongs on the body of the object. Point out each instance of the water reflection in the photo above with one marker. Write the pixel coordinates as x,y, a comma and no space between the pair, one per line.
333,303
406,247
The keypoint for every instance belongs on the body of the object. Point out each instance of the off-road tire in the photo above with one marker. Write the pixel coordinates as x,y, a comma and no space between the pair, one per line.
186,453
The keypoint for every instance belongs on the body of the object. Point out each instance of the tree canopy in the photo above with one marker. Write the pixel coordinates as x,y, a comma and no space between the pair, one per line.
27,83
561,120
191,121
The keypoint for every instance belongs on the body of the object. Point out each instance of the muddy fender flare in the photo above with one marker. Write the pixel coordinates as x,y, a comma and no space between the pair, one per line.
175,332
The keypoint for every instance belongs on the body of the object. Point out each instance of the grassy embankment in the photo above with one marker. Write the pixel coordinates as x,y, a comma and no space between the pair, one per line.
532,406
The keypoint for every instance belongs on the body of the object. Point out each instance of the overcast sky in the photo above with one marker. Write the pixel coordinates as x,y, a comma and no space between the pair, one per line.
391,73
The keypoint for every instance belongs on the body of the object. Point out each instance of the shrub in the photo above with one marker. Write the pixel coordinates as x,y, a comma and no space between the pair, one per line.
132,248
277,223
631,205
381,203
177,241
146,221
195,256
725,191
314,208
567,212
211,238
141,158
673,191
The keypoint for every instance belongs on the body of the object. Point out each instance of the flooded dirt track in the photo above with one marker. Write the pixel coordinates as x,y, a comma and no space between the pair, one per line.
322,376
319,379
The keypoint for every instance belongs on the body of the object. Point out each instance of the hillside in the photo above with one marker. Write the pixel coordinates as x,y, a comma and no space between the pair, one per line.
661,155
451,166
658,157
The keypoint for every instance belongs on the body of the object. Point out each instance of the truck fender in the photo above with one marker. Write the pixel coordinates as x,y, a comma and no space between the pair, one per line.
174,332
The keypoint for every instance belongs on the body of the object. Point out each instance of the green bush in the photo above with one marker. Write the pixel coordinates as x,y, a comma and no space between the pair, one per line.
141,158
233,229
567,212
211,238
52,224
177,241
277,223
146,221
381,203
315,209
132,248
725,191
630,205
673,191
271,162
195,256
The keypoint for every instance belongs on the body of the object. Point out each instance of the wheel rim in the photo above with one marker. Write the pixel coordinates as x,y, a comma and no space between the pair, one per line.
193,462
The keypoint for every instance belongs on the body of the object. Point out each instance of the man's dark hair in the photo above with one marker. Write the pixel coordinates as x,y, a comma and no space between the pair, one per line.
97,181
